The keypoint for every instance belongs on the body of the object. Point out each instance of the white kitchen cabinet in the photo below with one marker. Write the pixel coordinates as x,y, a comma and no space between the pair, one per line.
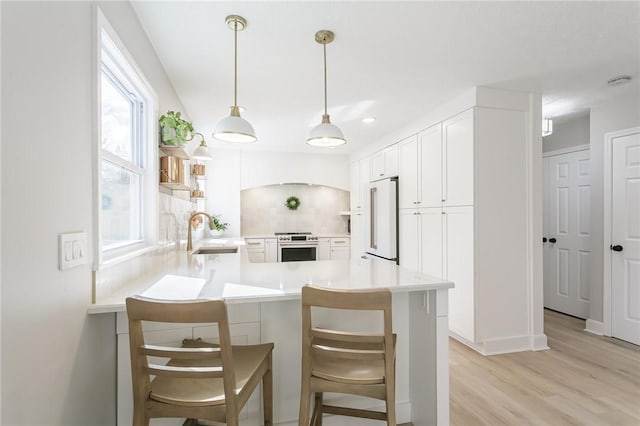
384,164
270,250
357,234
340,248
408,173
459,267
256,250
458,159
463,217
324,248
359,181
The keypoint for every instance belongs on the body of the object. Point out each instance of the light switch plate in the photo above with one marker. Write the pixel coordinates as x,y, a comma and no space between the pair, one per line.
72,250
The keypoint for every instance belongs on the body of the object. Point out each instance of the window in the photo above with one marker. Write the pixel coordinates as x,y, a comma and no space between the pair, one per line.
127,178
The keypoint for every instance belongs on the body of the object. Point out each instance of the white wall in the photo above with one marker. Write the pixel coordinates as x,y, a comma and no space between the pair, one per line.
617,114
567,134
58,364
231,171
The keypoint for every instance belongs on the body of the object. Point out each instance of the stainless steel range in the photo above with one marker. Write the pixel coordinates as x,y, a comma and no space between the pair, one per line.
297,246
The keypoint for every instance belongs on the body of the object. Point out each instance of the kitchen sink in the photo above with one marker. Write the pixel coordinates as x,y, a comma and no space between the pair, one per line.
215,250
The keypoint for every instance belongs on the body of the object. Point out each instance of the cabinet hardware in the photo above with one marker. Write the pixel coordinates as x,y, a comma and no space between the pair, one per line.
552,240
617,247
254,244
544,239
381,174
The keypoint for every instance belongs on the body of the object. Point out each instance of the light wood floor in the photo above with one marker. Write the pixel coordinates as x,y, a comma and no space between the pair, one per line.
583,379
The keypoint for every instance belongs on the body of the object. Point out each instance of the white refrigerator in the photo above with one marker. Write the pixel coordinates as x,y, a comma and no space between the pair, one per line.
381,223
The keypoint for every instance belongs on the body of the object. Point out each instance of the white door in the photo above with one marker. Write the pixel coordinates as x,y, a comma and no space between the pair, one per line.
625,238
457,158
408,174
430,167
567,201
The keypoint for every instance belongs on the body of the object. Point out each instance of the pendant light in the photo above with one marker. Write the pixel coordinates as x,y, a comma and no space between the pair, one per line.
235,128
325,134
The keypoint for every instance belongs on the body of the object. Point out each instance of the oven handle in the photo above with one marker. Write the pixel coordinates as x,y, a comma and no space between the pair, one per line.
298,244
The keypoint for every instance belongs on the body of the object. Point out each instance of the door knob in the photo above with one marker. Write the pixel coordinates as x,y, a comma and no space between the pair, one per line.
544,239
617,247
552,240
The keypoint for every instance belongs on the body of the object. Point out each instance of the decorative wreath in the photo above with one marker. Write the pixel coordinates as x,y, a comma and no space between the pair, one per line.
292,203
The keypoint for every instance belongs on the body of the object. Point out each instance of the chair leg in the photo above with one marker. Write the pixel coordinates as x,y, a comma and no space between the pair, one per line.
139,418
305,402
316,420
267,395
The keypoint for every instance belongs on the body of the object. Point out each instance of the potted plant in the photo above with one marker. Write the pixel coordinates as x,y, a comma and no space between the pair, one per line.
220,226
174,130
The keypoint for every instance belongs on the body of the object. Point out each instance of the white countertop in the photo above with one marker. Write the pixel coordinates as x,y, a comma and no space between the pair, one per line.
180,275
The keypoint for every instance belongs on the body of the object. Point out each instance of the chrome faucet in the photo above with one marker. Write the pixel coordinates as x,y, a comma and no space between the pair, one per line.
194,214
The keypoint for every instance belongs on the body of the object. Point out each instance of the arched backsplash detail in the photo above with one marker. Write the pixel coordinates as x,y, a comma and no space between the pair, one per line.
263,210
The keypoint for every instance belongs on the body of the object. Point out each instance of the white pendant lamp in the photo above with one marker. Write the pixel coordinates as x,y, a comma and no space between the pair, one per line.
325,134
235,128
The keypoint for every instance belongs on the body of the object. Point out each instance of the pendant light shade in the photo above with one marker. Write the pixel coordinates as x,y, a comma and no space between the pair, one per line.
201,152
235,128
325,134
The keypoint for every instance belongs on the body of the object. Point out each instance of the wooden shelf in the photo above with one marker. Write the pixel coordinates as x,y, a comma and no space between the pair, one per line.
176,186
175,151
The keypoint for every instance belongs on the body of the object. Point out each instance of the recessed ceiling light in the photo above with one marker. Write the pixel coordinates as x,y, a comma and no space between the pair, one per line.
368,120
616,81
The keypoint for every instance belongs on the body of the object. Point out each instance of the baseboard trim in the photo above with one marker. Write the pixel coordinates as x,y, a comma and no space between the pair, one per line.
505,345
403,413
595,327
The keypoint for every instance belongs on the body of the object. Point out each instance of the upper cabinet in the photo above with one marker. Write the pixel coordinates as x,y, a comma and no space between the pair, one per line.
359,178
436,165
384,164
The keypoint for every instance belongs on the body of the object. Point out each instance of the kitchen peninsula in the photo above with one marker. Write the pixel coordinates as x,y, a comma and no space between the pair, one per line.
263,300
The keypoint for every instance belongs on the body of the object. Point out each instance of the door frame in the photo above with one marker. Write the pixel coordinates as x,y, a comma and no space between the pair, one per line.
607,190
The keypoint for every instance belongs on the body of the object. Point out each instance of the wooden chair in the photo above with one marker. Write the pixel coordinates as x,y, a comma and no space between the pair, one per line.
200,380
345,362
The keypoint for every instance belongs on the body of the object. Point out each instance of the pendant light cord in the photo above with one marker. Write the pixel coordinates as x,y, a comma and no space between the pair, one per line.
235,63
325,78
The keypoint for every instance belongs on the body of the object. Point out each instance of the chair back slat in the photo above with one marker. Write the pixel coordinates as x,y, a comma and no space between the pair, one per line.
332,353
179,353
185,372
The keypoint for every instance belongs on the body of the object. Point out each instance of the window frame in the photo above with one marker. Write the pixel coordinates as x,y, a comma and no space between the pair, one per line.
121,66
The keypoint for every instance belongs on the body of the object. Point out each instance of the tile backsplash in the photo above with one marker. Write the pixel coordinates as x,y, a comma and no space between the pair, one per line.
263,210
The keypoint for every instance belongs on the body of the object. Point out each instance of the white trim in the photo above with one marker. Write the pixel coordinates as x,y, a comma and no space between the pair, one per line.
595,327
567,150
150,176
606,240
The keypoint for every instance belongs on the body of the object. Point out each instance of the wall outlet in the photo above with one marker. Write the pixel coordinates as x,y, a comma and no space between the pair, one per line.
72,250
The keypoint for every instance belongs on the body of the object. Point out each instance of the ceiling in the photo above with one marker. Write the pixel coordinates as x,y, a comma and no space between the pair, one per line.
391,60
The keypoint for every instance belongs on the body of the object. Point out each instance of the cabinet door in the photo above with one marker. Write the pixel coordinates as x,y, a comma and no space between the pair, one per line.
356,186
391,161
459,257
357,247
256,255
324,248
365,179
430,158
409,250
270,250
431,223
377,166
408,173
458,160
340,253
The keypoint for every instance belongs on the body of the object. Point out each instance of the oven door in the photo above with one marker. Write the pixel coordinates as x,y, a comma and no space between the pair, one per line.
297,252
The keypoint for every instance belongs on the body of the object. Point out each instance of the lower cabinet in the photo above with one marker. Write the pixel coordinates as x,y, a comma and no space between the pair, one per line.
324,248
245,330
340,248
439,241
255,249
270,250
